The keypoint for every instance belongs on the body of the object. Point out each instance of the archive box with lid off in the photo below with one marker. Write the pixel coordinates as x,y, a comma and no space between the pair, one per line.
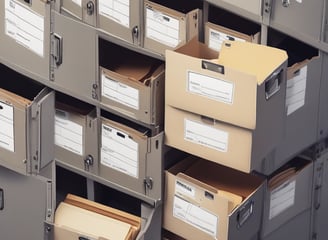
132,83
79,218
76,133
223,25
289,193
169,24
238,99
25,37
130,156
205,200
26,123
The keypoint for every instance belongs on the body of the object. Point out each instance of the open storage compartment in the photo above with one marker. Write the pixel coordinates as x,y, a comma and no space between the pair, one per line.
26,123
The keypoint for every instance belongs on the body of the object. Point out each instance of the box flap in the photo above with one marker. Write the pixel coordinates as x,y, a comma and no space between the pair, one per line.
196,49
256,59
14,98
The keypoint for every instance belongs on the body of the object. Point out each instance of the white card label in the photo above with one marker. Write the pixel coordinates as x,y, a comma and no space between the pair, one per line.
213,88
216,39
282,198
78,2
7,127
162,28
119,151
206,136
68,134
184,189
116,10
295,92
195,216
25,26
119,92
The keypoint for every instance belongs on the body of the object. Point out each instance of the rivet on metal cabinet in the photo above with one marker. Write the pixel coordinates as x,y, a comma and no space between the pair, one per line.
148,182
286,3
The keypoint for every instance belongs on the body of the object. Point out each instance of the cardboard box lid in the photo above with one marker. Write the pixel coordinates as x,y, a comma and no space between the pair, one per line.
258,60
14,98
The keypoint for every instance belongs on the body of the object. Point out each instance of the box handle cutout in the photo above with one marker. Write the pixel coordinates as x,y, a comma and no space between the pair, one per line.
272,84
120,135
2,199
209,195
83,238
207,120
213,67
1,107
245,213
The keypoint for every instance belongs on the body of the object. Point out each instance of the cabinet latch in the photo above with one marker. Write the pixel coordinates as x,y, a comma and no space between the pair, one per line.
57,49
148,183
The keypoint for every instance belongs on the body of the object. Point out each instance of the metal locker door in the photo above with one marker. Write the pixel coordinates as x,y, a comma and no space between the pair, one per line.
289,16
74,63
25,36
25,204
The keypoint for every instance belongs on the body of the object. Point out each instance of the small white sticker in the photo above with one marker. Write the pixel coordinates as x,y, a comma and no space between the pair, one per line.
296,90
119,92
119,151
116,10
299,1
195,216
162,28
7,127
25,26
281,198
68,134
78,2
184,189
206,136
216,39
213,88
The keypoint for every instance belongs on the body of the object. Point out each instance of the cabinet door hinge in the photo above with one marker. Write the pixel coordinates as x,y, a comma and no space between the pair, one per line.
266,14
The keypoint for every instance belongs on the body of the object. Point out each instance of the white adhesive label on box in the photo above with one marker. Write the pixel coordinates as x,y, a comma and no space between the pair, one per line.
216,39
162,28
119,92
119,151
299,1
281,198
295,92
195,216
116,10
206,136
213,88
25,26
184,189
68,134
78,2
7,139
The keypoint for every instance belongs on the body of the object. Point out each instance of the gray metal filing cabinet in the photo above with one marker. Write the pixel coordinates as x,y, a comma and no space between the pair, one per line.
67,51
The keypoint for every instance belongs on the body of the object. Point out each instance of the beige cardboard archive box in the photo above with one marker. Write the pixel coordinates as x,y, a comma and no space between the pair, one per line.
205,200
289,193
78,218
215,35
76,134
166,28
121,18
133,84
26,124
129,156
238,100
